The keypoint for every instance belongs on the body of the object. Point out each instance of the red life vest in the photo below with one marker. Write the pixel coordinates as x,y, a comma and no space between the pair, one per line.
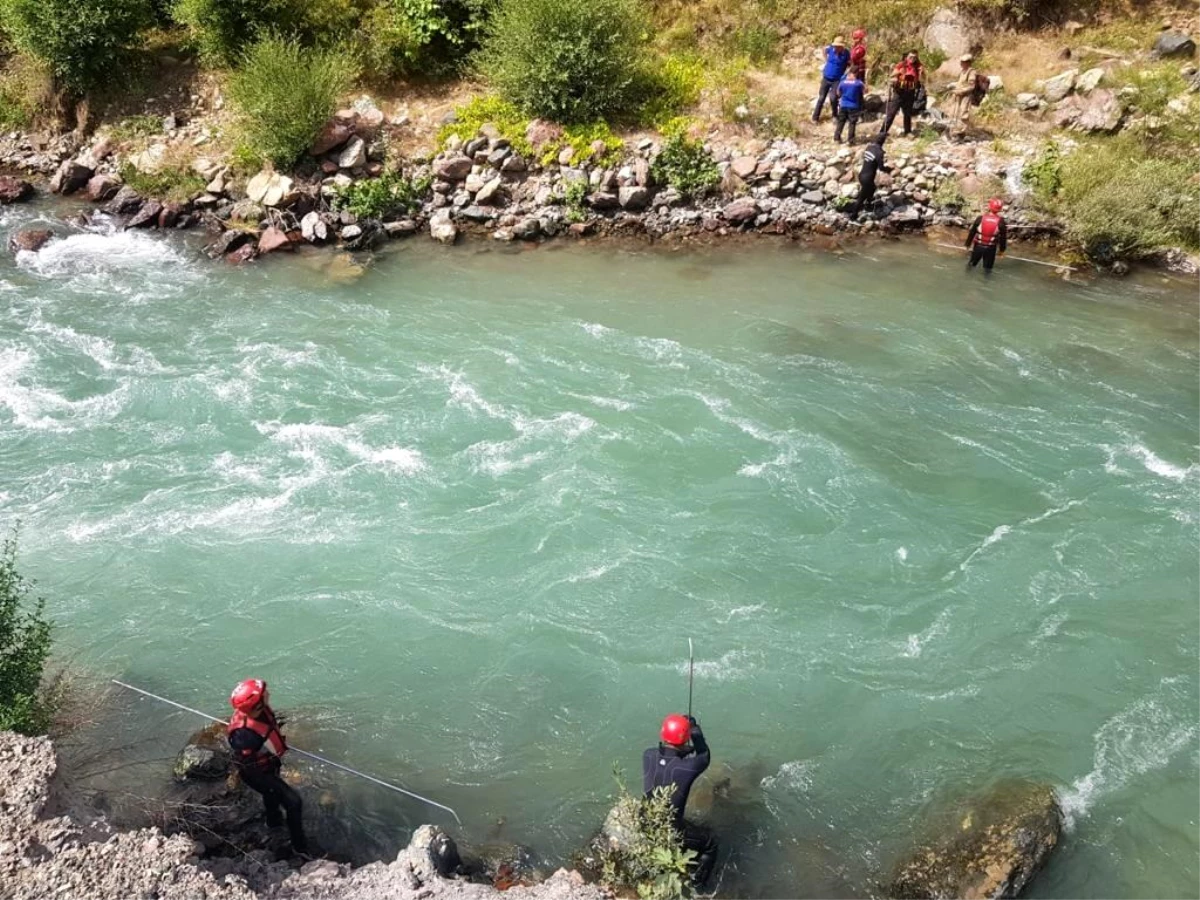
908,76
858,60
989,230
273,747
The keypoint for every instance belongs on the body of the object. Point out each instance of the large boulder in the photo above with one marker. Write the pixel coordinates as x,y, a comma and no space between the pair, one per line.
948,33
125,202
1174,43
335,133
633,198
993,847
1089,80
102,188
205,757
70,177
1056,88
269,188
1100,111
147,216
273,239
31,239
453,168
14,190
442,228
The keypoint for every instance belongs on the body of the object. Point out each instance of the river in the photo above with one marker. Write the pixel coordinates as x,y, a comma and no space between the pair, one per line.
464,507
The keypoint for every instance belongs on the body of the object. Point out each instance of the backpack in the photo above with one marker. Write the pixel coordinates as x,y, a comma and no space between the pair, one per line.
982,83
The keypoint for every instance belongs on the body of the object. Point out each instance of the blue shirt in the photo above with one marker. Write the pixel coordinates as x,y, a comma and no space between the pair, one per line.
850,94
836,61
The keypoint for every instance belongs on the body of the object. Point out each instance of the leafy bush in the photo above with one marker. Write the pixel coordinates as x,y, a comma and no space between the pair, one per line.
285,94
580,139
176,183
81,41
652,859
27,92
489,110
668,87
565,60
1044,174
222,29
1118,202
378,198
24,646
404,36
685,164
574,197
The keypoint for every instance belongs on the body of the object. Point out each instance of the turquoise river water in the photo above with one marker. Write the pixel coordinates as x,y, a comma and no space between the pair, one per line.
464,508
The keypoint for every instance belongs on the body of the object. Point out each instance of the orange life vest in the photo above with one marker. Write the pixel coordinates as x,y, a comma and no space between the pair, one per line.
907,76
273,747
989,230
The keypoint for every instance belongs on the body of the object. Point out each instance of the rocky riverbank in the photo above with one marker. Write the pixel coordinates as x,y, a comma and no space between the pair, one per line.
49,849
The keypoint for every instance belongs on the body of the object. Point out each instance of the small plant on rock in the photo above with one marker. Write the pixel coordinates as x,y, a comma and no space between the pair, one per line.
649,856
685,164
24,647
574,197
504,116
1044,174
380,198
581,138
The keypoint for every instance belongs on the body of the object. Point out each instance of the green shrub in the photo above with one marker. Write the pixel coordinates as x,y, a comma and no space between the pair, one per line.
80,41
176,183
565,60
379,198
1119,202
27,93
222,29
756,40
652,860
24,647
433,36
685,164
574,197
580,139
668,87
285,94
1044,174
508,121
1156,86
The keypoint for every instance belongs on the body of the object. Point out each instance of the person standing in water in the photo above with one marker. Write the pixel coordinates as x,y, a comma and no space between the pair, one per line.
988,234
680,758
258,748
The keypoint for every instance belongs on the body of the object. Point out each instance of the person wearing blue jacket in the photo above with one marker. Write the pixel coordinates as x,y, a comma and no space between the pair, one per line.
849,105
837,59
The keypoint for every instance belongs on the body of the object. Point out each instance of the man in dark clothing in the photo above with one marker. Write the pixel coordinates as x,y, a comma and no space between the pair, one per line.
872,164
908,77
258,747
850,101
988,234
837,59
676,765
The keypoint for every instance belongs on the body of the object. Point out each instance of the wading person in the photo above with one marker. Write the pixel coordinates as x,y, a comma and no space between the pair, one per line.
963,92
678,760
908,76
858,54
837,59
988,234
258,747
850,101
872,164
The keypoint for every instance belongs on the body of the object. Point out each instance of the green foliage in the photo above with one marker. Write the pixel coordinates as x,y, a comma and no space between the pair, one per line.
285,94
176,183
1156,86
388,195
580,139
574,197
1119,202
668,87
652,860
24,647
756,40
80,41
1044,174
402,37
504,116
566,60
949,195
27,92
685,164
135,127
222,29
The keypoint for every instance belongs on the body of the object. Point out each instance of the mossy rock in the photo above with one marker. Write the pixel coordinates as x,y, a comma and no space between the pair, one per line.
205,757
1001,841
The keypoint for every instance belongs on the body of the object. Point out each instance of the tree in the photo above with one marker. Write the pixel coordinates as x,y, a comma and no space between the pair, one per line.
24,646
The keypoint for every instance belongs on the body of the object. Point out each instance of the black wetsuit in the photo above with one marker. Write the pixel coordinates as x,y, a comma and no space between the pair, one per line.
986,252
664,765
260,772
872,164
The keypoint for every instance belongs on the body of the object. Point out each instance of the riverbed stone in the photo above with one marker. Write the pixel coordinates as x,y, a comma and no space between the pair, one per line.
1100,111
272,240
744,209
354,154
14,190
1056,88
1089,80
228,241
31,239
70,176
313,227
453,168
633,198
147,216
992,848
442,228
490,192
269,188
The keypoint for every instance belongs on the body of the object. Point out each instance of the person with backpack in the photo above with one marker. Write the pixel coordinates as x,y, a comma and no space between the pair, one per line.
850,103
988,234
964,92
908,78
837,59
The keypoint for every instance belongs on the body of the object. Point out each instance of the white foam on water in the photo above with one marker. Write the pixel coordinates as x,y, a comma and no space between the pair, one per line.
120,262
662,350
797,775
41,409
462,392
1000,532
915,644
100,350
307,440
1159,466
595,329
732,666
902,553
743,611
1142,738
529,447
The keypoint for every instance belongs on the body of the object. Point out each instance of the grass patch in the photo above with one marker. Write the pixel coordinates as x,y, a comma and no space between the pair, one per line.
174,182
580,139
504,116
135,127
1156,85
388,195
670,86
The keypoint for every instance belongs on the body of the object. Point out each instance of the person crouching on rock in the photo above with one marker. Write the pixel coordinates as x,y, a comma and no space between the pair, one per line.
872,164
679,759
258,747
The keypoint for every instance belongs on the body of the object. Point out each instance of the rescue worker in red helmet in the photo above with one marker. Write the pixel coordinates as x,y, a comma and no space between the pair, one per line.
680,758
858,54
258,748
988,234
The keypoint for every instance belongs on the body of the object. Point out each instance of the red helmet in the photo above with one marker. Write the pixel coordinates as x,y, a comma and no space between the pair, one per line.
995,205
858,34
676,729
249,694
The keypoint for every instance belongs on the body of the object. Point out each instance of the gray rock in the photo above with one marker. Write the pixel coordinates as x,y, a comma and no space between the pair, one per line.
14,190
513,164
497,156
603,200
401,228
442,228
453,168
1087,82
948,33
743,167
313,228
354,154
475,213
490,192
125,202
350,232
744,209
475,182
633,198
817,198
1174,43
475,145
1028,102
992,848
206,757
1056,88
147,216
1100,111
528,229
228,241
70,177
335,133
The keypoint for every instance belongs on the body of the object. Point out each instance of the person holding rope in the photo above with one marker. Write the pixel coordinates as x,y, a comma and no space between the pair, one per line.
258,748
679,759
988,233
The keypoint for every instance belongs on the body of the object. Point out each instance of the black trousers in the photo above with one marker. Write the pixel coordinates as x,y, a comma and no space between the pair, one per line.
827,90
901,101
704,843
278,795
866,193
987,254
843,116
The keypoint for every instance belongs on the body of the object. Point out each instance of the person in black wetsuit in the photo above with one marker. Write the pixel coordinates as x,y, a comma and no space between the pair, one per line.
676,764
988,234
872,164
